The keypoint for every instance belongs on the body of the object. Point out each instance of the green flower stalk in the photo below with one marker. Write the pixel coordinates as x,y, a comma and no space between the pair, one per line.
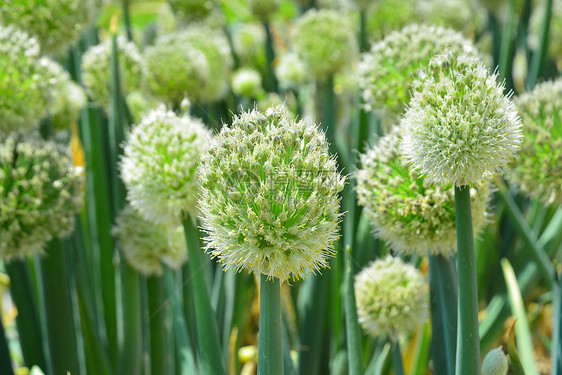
66,98
247,82
146,245
96,69
387,72
495,362
324,41
404,209
391,297
555,30
460,128
269,195
159,166
22,84
40,194
56,24
537,170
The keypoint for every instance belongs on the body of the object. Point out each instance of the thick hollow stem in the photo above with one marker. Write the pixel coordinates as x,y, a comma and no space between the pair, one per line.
468,340
205,317
270,348
443,287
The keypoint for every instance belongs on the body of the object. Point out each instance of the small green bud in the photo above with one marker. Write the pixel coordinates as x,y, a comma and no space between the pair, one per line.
495,362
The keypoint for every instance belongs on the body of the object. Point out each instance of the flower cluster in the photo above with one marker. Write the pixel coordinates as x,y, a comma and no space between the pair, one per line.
194,62
159,166
247,82
66,98
214,45
291,71
538,169
96,69
55,23
324,41
404,209
22,85
40,194
387,71
175,69
460,128
391,297
146,245
248,41
269,195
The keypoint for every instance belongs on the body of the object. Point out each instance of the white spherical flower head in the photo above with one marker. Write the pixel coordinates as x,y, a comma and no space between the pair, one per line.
404,209
495,362
146,245
40,194
96,69
22,83
537,169
55,23
387,72
324,40
159,165
459,128
247,82
391,297
269,195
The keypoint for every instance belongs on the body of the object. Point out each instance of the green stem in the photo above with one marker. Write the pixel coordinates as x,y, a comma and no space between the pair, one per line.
160,358
363,44
443,288
130,353
270,56
127,16
27,320
507,42
537,252
5,360
207,328
58,310
182,343
313,302
329,111
468,342
556,352
397,363
353,331
522,330
539,56
270,347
